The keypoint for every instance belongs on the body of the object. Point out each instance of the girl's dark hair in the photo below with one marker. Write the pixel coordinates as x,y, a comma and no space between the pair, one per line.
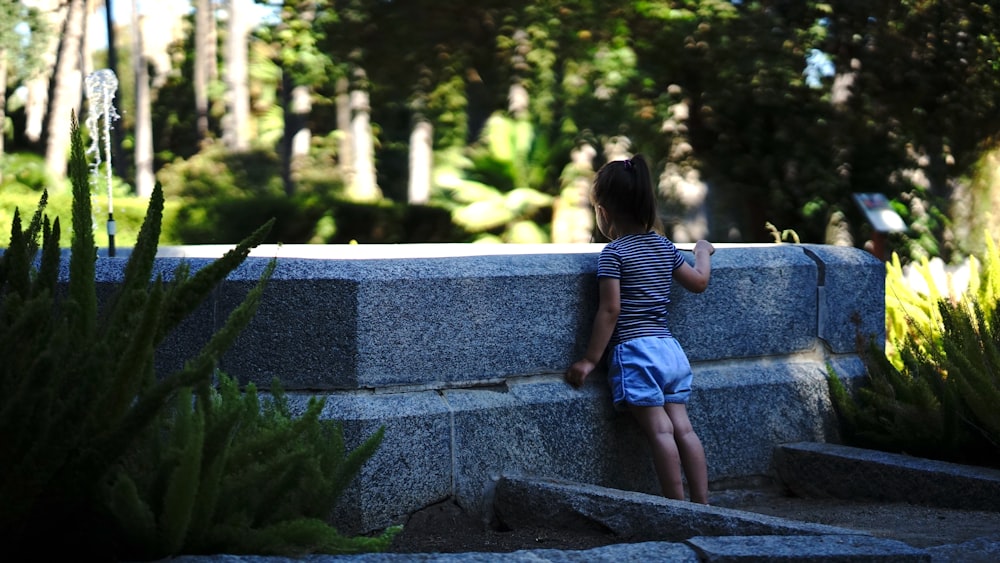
624,188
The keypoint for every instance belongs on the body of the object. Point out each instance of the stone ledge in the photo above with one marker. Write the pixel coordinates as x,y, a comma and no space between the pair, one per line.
818,470
649,551
368,316
631,516
838,548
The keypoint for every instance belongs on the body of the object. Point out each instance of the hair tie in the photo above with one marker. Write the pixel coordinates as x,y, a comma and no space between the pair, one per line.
628,164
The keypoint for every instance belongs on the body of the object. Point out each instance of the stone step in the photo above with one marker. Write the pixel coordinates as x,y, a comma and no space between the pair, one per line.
522,502
839,548
713,533
822,470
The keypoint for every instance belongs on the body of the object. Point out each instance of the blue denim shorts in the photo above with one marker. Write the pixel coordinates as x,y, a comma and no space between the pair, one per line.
649,372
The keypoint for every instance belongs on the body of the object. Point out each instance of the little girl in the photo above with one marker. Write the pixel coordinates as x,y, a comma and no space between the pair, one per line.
647,369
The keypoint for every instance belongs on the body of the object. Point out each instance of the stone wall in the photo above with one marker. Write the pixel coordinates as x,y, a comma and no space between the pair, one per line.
458,351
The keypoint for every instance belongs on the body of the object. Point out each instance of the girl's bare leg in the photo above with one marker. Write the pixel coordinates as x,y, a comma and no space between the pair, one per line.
659,432
691,452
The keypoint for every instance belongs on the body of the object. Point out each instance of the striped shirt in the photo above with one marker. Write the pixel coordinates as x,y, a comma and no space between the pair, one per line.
644,265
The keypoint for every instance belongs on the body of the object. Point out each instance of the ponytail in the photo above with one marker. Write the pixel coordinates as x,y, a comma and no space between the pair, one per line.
625,189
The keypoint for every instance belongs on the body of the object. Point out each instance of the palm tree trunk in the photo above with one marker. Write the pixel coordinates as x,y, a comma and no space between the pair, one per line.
572,215
364,187
3,102
144,179
67,90
236,134
36,104
421,162
345,150
296,103
204,60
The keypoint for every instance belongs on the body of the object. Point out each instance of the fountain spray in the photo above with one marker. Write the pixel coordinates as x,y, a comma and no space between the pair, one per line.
101,87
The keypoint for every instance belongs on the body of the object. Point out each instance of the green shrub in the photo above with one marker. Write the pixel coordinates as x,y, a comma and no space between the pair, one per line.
130,210
200,483
216,172
389,223
495,187
935,391
312,219
223,220
24,173
104,460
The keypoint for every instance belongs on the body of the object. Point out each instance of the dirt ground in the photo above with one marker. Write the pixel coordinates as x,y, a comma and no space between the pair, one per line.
445,528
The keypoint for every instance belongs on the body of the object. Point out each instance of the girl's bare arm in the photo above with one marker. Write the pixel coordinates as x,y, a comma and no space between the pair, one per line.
696,278
604,326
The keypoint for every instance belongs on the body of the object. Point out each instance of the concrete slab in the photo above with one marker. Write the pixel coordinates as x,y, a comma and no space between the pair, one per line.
813,469
818,549
620,553
557,504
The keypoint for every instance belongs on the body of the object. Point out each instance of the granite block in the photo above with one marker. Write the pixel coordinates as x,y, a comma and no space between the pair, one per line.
739,408
617,553
761,301
832,548
411,468
544,427
340,321
302,334
632,516
822,470
853,296
473,319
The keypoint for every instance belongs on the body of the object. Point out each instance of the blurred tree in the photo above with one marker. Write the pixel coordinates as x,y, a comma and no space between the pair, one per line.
67,86
144,179
728,104
206,64
236,124
922,101
293,45
52,14
22,36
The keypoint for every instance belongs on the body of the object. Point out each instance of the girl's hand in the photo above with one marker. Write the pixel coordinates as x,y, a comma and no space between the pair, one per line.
704,246
578,372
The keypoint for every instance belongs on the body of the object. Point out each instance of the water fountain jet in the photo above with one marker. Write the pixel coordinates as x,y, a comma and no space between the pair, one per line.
101,86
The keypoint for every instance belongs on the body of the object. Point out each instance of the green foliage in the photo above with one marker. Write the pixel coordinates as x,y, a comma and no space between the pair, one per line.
303,218
81,410
936,391
219,196
25,178
215,172
23,33
493,189
717,89
24,173
913,317
221,220
201,485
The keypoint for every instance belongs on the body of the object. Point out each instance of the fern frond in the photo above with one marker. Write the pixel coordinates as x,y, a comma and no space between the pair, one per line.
133,514
127,378
184,297
182,485
83,257
48,269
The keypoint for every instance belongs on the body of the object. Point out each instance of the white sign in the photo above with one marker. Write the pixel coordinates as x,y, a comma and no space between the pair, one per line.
879,213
